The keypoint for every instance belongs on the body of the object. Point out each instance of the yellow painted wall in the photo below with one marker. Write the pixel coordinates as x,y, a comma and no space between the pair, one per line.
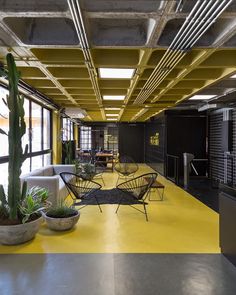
76,137
56,140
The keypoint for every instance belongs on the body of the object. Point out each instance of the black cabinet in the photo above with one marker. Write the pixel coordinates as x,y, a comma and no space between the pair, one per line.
227,209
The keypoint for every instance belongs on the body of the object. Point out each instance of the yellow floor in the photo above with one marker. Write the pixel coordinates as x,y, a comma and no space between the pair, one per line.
179,224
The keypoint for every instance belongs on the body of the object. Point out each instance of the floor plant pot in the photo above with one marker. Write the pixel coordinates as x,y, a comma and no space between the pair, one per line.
20,233
61,224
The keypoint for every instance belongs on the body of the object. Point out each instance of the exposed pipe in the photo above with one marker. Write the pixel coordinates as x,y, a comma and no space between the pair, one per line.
183,41
77,17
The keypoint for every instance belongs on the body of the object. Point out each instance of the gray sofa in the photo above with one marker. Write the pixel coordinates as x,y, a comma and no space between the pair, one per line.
48,177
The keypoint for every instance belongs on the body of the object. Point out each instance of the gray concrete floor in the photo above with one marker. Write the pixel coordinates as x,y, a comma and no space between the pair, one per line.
116,274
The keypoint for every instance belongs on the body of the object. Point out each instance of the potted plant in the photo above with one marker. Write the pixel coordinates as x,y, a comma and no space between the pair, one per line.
85,170
61,217
19,210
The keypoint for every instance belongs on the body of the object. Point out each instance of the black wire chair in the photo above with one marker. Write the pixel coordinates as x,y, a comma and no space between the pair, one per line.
126,168
137,190
80,189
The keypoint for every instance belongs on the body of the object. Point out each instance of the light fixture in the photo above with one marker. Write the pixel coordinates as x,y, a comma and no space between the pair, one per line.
207,107
112,115
112,119
116,73
201,97
233,77
75,113
112,109
113,97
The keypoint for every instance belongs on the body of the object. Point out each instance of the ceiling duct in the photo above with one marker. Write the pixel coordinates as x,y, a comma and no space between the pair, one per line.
202,16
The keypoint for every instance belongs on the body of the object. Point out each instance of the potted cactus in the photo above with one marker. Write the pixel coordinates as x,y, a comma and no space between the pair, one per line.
19,212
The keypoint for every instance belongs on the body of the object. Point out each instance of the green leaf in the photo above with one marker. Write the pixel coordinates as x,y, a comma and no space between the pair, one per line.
24,190
4,101
3,196
3,132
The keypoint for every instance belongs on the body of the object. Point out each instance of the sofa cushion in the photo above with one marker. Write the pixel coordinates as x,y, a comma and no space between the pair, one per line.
37,172
48,171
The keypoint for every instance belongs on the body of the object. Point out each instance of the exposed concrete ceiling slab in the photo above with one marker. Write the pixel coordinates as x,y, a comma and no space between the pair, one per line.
33,5
119,32
122,6
132,34
43,30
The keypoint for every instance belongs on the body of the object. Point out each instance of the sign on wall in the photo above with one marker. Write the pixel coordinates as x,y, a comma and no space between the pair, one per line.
154,140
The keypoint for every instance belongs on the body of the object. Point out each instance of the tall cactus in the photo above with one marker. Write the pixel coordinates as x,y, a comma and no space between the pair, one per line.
17,128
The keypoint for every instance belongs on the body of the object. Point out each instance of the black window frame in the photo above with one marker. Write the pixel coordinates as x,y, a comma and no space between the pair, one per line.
30,154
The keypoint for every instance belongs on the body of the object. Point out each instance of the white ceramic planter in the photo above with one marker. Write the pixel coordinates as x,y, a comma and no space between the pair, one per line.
20,233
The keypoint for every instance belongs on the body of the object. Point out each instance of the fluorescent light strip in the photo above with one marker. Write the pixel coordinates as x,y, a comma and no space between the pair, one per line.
113,97
116,73
201,97
112,119
112,115
233,77
112,109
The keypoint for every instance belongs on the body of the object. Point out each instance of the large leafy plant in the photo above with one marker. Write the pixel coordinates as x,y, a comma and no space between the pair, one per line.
13,201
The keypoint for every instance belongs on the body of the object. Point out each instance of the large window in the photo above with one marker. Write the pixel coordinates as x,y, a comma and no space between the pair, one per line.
38,136
36,127
85,138
3,122
67,129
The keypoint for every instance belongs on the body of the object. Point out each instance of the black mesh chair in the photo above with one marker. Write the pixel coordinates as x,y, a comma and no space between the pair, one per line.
137,190
126,168
80,189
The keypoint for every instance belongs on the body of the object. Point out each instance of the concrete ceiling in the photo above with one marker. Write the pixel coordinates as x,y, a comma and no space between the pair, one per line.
136,34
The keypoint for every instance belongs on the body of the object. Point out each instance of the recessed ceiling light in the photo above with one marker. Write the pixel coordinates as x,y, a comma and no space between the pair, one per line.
112,119
112,109
201,97
112,115
116,73
233,77
113,97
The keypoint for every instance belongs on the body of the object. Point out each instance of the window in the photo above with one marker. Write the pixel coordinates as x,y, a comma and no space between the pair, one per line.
4,122
67,129
37,136
46,129
36,129
85,138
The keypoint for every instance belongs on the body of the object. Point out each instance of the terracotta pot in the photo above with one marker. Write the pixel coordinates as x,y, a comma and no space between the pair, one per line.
20,233
60,224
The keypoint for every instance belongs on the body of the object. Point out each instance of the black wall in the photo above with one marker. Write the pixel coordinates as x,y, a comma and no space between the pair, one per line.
222,147
131,141
187,133
155,154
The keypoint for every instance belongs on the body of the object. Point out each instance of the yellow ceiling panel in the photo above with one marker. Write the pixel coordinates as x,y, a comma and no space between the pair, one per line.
31,72
114,83
75,83
116,57
49,91
69,72
156,57
221,58
79,91
59,56
37,83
